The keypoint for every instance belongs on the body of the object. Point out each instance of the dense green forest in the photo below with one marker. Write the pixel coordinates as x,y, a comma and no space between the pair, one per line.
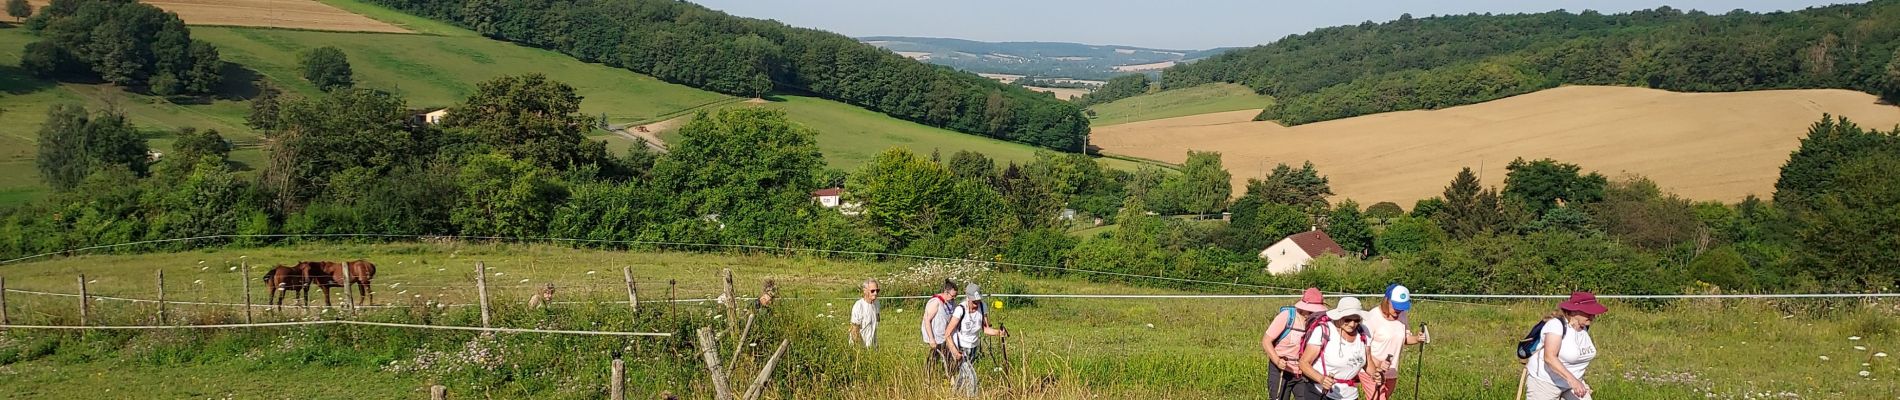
685,43
1428,63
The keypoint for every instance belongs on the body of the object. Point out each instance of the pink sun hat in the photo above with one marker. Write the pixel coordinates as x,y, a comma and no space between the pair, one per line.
1312,300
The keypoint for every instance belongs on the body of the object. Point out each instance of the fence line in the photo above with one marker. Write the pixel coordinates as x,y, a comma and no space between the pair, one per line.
340,322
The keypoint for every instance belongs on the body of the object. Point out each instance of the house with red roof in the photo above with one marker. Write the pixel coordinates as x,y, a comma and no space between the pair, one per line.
1294,252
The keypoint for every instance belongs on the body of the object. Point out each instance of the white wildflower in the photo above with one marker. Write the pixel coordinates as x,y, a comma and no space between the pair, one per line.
1853,338
497,274
590,272
1865,374
524,281
232,269
1861,348
1880,354
1824,358
198,282
1151,326
201,261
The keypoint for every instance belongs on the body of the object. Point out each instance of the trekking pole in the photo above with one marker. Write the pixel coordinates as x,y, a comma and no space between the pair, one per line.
1419,370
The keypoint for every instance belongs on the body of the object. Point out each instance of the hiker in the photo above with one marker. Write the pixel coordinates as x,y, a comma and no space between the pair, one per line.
864,316
936,316
966,328
1282,341
1389,327
1335,354
1555,371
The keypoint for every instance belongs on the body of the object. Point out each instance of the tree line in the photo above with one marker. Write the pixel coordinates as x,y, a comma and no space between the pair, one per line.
1436,62
125,43
512,159
688,44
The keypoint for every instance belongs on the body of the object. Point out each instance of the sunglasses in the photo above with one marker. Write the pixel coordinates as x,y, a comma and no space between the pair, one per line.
874,290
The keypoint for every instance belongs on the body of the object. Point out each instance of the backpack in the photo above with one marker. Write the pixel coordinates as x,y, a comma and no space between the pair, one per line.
1290,314
1320,324
1528,346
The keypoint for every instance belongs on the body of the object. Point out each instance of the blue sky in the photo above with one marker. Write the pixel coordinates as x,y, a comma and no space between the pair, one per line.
1193,24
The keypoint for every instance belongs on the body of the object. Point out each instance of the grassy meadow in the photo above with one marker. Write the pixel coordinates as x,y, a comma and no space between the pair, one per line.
1209,98
1065,348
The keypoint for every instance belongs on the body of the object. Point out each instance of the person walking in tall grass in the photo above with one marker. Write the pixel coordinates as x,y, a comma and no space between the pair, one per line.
1335,354
1389,327
1556,370
967,327
864,316
1282,342
936,317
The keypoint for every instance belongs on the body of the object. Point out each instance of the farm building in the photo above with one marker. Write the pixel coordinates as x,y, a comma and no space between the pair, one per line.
1292,253
834,198
429,117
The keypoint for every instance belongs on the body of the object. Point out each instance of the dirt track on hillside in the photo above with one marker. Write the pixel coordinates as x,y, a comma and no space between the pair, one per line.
296,14
1712,146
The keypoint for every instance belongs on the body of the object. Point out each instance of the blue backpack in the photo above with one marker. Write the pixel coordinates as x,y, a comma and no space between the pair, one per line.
1289,311
1527,347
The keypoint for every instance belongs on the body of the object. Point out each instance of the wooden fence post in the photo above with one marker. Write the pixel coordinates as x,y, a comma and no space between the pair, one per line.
161,297
3,302
672,296
245,269
758,383
739,346
633,296
709,351
617,390
438,392
732,305
349,290
82,300
481,289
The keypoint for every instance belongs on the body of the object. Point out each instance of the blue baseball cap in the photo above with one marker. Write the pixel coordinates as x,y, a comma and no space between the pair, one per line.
1399,297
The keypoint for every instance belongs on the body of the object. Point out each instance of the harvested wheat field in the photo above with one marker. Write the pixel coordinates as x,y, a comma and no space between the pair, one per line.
1706,146
294,14
1061,93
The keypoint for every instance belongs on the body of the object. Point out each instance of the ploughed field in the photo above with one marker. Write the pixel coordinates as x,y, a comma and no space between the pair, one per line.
293,14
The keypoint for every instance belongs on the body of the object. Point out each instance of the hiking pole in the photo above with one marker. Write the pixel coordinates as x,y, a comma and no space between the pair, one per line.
1419,370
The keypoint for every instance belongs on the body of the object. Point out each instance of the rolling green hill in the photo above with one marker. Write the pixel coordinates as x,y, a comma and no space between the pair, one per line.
1209,98
428,70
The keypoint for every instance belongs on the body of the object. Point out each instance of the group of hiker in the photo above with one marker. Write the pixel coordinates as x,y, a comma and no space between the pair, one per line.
1317,351
1346,352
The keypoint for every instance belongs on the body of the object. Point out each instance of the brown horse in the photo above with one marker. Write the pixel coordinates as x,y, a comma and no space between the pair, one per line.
282,280
328,274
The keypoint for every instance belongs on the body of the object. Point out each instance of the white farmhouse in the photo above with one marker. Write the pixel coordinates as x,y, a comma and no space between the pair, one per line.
1294,252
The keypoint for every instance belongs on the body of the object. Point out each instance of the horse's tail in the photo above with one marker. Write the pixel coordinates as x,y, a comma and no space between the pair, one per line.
268,275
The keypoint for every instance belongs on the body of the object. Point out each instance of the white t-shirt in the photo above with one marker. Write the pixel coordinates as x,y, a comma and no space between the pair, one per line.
1576,353
1341,359
969,328
864,315
1388,336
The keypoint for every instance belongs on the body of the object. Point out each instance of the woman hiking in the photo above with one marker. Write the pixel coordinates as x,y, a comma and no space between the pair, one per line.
1556,370
1335,354
1282,342
967,327
1389,327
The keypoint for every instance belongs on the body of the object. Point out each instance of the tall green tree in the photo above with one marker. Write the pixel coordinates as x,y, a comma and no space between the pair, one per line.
1348,227
318,137
1891,84
1541,184
1203,187
1849,231
973,166
327,68
529,117
132,44
1408,235
908,197
1257,223
1304,187
194,145
19,10
751,167
73,144
1471,209
264,107
1809,171
505,197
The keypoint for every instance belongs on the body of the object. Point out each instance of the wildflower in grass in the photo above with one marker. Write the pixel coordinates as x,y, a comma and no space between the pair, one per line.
524,281
1865,374
198,282
1861,348
1853,338
590,272
1824,358
1880,354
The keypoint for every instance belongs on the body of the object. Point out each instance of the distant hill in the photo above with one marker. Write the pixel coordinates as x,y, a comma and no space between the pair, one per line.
1445,61
1041,59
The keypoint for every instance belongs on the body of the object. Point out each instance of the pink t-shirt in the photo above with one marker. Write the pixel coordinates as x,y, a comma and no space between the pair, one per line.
1388,336
1287,349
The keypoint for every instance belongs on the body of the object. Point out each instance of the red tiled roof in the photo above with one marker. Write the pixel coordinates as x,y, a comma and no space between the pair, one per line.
1317,242
827,192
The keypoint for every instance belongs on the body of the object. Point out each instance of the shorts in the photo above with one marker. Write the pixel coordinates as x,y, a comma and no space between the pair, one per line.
1538,389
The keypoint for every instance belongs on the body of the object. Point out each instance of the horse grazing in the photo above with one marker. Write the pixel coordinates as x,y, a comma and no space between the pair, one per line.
328,274
282,280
